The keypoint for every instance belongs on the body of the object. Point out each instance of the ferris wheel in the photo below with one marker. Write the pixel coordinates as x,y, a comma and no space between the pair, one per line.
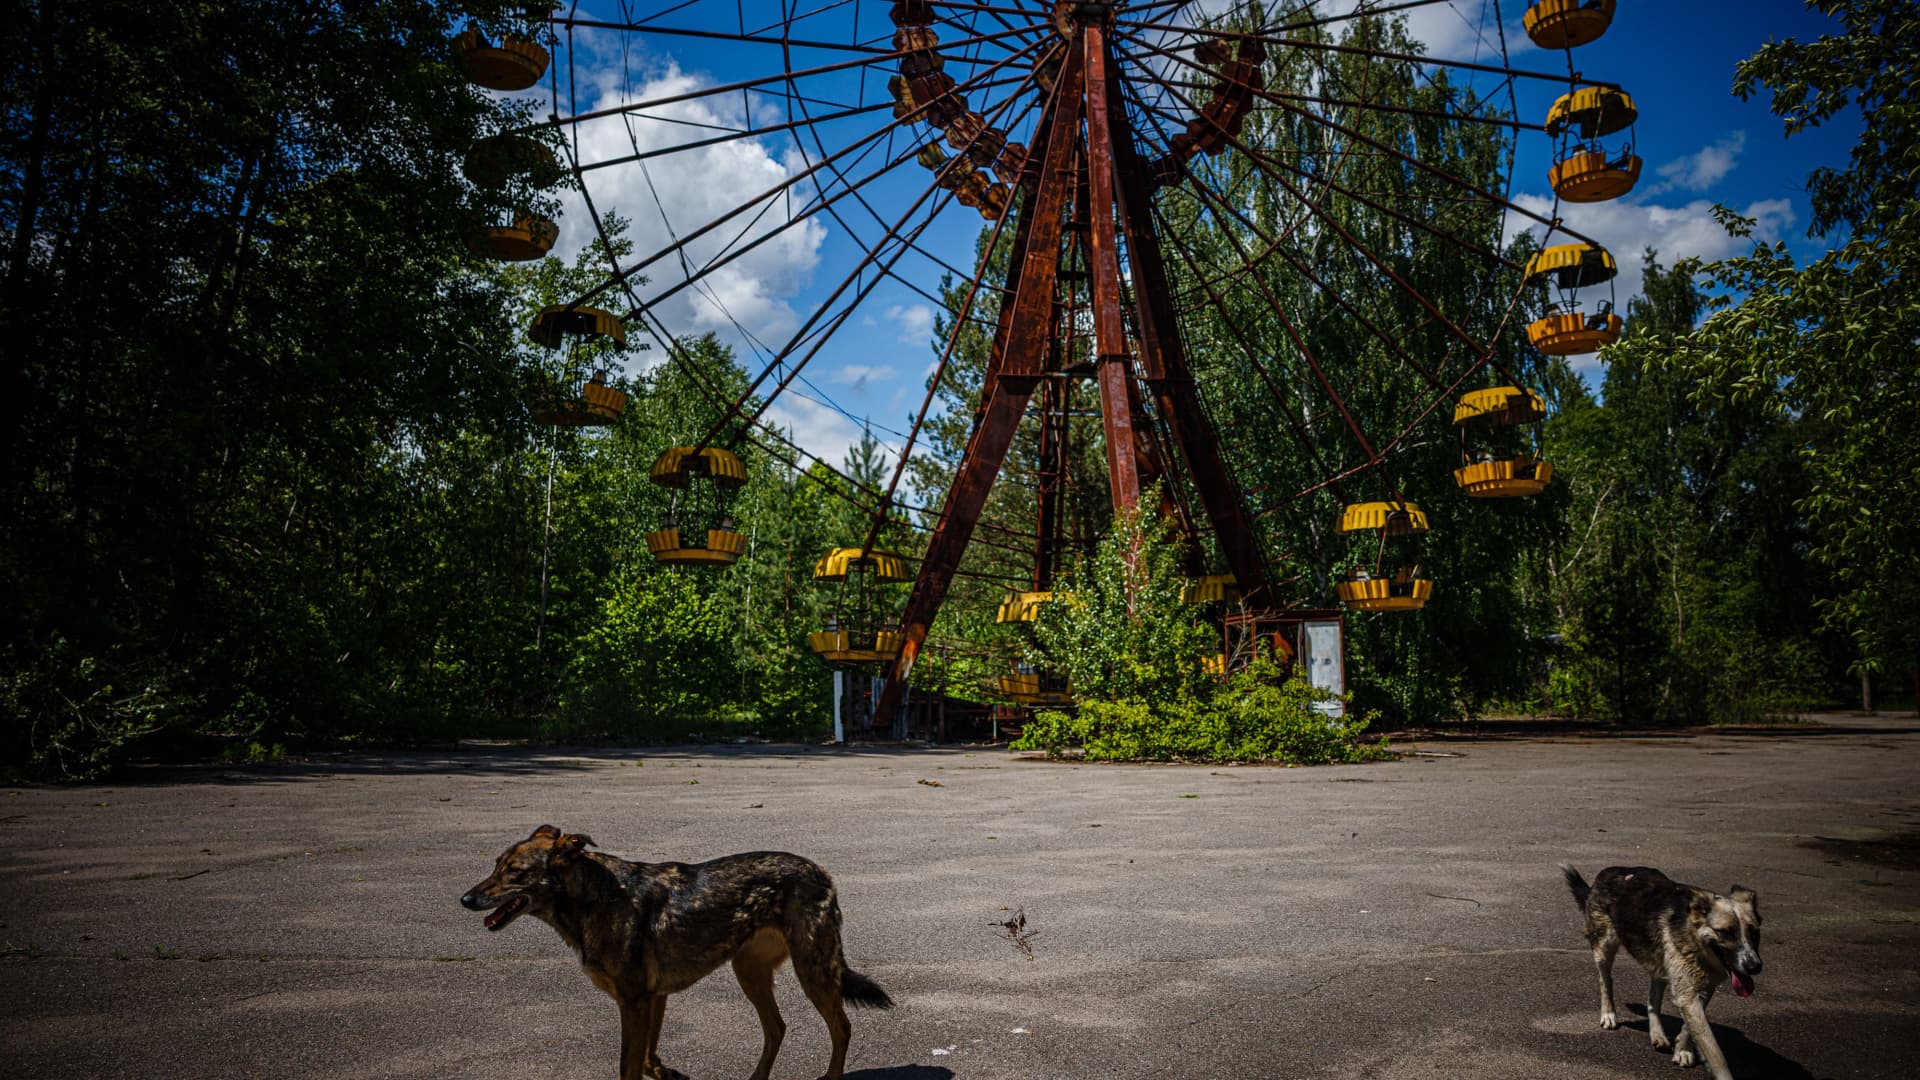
1247,256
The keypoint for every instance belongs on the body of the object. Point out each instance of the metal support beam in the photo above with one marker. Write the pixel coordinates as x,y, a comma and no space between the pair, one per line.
1019,358
1164,366
1109,326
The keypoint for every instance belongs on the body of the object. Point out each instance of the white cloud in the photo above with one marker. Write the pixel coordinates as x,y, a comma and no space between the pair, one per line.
915,322
1458,30
676,194
1627,229
1703,169
821,431
1467,30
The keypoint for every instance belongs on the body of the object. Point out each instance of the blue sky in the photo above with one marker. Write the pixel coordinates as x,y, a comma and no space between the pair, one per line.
1700,146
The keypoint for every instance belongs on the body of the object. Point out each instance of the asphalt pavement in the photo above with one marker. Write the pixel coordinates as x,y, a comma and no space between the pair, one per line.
1402,919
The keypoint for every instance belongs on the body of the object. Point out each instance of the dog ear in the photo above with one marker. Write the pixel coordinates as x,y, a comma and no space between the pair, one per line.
570,845
1743,895
1699,906
546,831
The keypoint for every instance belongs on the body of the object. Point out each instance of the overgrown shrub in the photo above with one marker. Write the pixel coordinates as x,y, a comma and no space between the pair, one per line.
1133,653
1262,714
82,715
1120,632
658,665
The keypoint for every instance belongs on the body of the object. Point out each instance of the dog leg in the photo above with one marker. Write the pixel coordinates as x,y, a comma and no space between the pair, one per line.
754,968
1656,1030
820,977
656,1016
1683,1055
1603,954
634,1020
1695,1012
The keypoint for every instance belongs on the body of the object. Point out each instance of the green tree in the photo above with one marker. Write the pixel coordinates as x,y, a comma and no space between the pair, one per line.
1117,629
234,293
1832,342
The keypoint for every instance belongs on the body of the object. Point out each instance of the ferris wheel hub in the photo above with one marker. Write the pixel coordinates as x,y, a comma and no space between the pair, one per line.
1070,15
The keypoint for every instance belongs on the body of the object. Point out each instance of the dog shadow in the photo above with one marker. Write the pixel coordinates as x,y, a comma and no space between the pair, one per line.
1744,1056
901,1072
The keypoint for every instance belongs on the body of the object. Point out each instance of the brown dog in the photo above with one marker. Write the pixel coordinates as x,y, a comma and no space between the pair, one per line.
1689,938
646,930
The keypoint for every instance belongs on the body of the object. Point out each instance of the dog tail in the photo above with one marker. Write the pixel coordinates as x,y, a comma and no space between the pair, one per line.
1576,884
861,992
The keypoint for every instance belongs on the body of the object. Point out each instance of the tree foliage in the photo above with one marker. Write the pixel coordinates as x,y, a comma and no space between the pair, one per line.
1828,349
1133,654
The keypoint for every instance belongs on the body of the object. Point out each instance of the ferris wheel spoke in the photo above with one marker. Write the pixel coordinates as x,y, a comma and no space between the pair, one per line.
1278,310
1234,215
1440,397
1329,220
666,30
975,282
900,243
1370,106
767,197
871,257
1276,36
720,89
1247,347
754,133
993,116
1037,29
1440,174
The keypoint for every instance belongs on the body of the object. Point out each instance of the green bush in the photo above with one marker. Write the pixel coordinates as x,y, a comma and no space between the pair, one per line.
1121,633
80,717
658,664
1263,714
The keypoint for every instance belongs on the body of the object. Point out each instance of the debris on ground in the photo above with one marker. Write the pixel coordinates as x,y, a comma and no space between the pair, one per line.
1016,931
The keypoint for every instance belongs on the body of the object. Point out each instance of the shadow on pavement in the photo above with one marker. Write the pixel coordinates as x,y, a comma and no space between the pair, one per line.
1549,728
479,758
1744,1056
1748,1058
901,1072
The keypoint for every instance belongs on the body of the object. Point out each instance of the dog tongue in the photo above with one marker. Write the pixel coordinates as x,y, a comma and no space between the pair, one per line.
1742,985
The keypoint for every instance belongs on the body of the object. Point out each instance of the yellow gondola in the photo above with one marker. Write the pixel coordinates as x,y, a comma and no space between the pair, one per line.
699,530
1490,472
1563,330
597,403
1588,170
553,325
1026,684
517,63
853,634
597,406
1035,688
499,158
1393,518
1407,588
1592,112
529,237
1211,589
1592,176
1021,607
1567,24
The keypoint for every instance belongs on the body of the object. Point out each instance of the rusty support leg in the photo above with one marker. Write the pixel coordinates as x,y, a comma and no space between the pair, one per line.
1109,327
1164,365
1155,468
1019,356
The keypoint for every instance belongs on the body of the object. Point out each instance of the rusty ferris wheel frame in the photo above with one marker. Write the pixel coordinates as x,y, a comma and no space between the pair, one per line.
1071,208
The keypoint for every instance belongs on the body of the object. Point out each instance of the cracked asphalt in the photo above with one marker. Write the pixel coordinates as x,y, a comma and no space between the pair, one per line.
1393,920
